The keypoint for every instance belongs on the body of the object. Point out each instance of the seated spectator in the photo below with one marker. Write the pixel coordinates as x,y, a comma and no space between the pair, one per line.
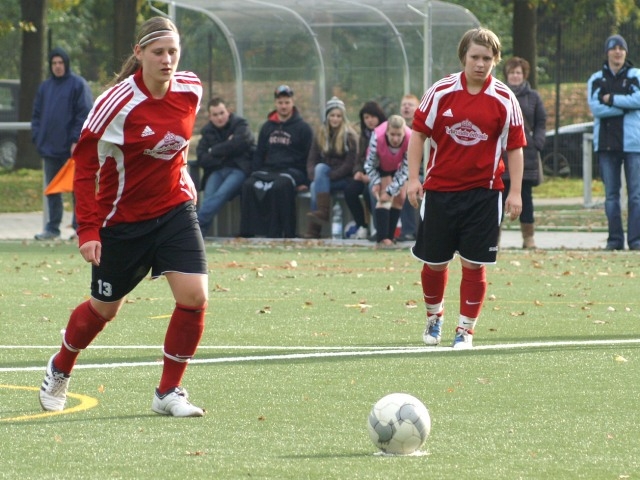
387,168
224,153
279,171
371,115
330,163
408,214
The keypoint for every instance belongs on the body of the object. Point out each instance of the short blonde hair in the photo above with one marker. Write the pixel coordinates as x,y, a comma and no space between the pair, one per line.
483,37
396,121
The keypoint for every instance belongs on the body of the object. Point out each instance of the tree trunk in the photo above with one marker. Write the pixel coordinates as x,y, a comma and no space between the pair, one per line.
31,74
525,21
124,29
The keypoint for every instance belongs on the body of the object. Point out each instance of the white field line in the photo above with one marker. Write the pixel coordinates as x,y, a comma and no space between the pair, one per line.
316,352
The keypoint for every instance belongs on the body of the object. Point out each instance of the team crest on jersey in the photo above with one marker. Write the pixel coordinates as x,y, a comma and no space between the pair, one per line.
167,148
466,133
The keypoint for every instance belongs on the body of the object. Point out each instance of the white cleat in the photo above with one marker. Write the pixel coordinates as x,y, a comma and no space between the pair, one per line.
463,339
433,330
53,392
175,403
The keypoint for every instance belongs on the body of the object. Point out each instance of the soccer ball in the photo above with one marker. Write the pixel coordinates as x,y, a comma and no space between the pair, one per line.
399,423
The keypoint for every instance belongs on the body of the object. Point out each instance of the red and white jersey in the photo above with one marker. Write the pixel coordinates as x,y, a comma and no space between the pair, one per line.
468,133
132,154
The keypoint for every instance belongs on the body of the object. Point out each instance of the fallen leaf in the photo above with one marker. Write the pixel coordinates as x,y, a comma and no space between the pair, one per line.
620,358
411,304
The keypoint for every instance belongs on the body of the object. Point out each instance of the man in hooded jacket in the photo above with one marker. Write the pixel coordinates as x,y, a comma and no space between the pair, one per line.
62,104
279,171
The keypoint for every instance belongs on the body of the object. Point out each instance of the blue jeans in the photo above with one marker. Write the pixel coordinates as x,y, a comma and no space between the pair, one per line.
322,184
222,185
611,164
54,202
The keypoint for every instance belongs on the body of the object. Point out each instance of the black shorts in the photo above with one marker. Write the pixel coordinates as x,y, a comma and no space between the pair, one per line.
170,243
466,223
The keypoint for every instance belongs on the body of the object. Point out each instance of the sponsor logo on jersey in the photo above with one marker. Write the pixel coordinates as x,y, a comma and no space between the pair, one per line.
448,113
167,148
466,133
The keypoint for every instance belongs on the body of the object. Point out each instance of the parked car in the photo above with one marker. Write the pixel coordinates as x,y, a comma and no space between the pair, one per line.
567,161
9,96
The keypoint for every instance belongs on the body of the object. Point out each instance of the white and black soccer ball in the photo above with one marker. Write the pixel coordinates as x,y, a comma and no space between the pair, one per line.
399,424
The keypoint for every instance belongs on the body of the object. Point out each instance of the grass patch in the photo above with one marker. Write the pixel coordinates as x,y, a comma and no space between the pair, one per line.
532,411
21,191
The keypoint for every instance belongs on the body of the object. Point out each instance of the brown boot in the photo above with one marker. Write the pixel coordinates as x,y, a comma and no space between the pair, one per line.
314,230
322,213
527,235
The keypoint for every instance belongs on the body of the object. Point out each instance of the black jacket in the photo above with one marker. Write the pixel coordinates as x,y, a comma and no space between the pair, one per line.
284,147
229,146
535,121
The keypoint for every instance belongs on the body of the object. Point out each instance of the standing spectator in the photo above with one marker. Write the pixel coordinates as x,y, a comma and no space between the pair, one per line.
469,118
279,171
408,214
60,108
136,212
614,100
386,166
516,72
224,153
371,115
330,163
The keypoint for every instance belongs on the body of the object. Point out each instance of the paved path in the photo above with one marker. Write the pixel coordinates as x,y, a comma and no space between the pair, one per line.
23,226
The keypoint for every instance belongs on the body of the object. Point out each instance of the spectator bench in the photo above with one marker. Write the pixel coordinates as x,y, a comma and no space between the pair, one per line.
227,222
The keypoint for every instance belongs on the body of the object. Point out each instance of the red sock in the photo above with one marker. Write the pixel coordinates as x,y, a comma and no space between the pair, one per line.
84,325
434,283
473,288
180,343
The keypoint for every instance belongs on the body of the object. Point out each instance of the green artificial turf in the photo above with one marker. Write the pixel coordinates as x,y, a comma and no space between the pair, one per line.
301,341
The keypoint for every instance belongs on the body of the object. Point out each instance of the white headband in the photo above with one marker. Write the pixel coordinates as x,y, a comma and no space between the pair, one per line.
147,39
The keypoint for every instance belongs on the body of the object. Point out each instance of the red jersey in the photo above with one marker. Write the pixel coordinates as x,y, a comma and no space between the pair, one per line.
132,154
468,133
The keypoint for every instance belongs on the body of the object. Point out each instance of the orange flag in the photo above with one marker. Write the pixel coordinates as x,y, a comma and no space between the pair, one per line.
63,181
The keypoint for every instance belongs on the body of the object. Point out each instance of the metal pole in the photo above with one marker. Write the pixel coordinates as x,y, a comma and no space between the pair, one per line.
587,168
558,60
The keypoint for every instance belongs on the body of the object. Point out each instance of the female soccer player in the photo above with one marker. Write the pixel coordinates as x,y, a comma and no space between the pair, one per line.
136,212
470,118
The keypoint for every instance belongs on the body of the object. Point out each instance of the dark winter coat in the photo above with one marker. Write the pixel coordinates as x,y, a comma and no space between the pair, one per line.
60,108
283,147
341,164
230,146
535,123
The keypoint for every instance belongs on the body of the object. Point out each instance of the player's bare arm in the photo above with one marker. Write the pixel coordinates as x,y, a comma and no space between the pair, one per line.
415,153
